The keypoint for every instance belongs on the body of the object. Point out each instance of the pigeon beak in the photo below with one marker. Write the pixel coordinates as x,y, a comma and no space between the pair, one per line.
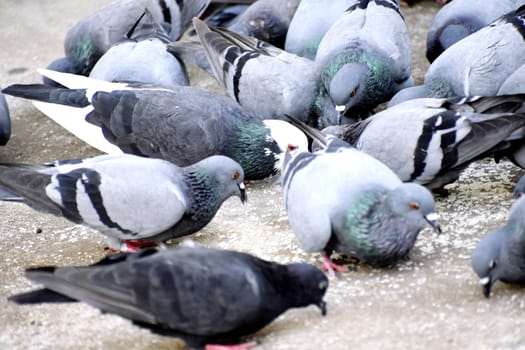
486,285
322,306
340,109
432,219
242,192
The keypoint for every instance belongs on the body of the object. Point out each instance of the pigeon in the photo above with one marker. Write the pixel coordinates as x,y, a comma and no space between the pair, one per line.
182,125
201,295
144,57
5,121
461,18
92,36
430,141
127,197
341,199
308,27
365,57
500,255
478,64
283,83
266,20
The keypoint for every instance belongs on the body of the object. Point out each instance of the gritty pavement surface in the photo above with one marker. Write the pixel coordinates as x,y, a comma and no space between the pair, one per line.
430,301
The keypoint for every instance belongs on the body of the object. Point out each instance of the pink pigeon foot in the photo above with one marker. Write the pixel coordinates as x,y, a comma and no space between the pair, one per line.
331,267
133,246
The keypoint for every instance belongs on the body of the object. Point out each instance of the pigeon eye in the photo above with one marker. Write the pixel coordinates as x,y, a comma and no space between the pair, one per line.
354,91
291,148
235,175
414,206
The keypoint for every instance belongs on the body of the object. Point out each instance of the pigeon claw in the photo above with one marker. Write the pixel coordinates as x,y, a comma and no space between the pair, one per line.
242,346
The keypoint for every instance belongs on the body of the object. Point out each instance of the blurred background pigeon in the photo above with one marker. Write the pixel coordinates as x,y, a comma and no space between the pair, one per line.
460,18
5,121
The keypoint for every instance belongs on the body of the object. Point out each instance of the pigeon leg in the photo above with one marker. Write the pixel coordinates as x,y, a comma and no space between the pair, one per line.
331,267
243,346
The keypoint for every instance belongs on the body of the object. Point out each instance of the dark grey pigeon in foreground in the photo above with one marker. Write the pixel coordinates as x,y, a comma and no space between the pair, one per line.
126,197
461,18
182,125
501,254
342,199
199,294
365,56
283,83
308,26
5,121
96,33
478,64
431,141
143,57
266,20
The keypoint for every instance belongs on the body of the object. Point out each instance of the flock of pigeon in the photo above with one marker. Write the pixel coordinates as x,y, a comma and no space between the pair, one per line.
303,82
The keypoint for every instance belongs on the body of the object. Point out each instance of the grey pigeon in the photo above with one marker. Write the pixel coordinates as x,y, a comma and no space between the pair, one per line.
283,83
461,18
127,197
144,57
200,294
430,141
5,121
365,57
310,22
342,199
478,64
182,125
92,36
501,254
266,20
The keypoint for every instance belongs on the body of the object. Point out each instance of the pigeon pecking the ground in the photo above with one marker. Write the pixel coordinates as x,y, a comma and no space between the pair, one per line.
308,27
283,83
365,57
144,57
478,64
431,141
91,37
127,197
501,254
182,125
5,121
200,294
461,18
266,20
342,199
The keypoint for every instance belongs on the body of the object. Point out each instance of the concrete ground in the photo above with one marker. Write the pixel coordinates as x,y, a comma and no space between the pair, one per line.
431,301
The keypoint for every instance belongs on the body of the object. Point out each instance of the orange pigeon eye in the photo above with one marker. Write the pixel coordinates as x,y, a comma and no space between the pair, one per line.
235,175
414,206
354,91
292,148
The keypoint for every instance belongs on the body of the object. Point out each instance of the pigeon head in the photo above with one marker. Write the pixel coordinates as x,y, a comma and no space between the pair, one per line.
224,175
519,189
308,286
347,86
287,137
485,261
415,204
